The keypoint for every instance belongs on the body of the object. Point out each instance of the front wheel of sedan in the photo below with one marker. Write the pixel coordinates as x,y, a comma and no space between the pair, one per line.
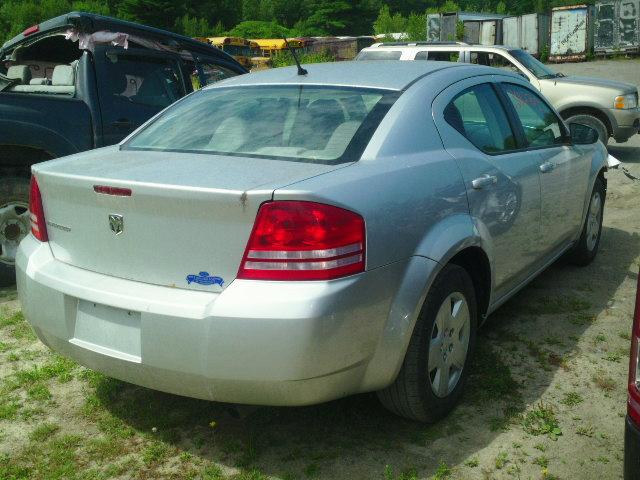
587,247
436,364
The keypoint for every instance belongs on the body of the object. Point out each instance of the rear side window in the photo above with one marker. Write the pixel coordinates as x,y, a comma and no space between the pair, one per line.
441,56
292,122
421,55
478,115
380,55
150,81
542,128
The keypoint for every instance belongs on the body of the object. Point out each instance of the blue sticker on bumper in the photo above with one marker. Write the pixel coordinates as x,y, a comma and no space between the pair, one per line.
203,278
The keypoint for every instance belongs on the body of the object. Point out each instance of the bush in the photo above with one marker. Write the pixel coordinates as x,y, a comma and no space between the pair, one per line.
285,59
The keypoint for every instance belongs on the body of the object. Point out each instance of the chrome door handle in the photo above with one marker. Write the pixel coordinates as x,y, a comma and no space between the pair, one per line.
484,181
547,167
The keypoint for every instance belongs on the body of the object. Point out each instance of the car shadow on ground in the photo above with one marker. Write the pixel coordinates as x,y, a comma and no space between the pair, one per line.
521,347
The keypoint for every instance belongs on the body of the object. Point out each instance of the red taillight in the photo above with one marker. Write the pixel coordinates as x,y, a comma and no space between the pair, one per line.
38,223
32,29
294,240
633,403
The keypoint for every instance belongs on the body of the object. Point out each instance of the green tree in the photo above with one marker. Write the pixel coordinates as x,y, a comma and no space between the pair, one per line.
326,17
387,23
259,29
193,27
416,27
91,6
157,13
251,10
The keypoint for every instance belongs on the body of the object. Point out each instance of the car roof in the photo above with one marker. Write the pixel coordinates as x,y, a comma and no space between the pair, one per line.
90,23
382,74
434,46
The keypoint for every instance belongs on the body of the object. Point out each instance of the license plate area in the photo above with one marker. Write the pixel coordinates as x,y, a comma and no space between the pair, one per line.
108,331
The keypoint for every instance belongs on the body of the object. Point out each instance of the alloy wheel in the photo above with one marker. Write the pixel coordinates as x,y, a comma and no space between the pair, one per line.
449,344
594,220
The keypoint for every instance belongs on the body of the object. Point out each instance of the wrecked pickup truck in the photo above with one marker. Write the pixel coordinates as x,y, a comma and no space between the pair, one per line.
81,81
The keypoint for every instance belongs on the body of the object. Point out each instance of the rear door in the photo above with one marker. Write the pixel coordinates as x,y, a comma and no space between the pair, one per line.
564,169
503,184
133,86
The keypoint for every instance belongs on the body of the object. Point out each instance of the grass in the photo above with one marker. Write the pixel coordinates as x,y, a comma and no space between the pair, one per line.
39,392
604,382
541,461
581,318
556,305
43,432
472,462
542,420
501,460
443,471
571,399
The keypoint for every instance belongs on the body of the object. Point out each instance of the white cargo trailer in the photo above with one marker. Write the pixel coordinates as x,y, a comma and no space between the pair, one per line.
529,32
571,33
511,31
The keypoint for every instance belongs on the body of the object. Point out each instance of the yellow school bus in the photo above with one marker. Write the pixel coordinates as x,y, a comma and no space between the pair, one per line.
271,46
239,48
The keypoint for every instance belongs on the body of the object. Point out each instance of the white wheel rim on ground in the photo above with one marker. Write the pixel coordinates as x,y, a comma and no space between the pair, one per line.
14,226
449,344
593,221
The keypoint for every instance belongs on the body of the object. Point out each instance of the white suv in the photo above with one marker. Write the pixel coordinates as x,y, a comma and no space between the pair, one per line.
610,107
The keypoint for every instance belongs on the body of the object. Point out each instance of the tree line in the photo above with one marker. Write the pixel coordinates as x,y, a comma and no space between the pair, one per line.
263,18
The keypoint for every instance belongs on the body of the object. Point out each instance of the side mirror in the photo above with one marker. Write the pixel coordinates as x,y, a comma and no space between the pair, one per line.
583,134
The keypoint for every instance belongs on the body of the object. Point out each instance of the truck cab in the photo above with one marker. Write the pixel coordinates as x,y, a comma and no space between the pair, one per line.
82,81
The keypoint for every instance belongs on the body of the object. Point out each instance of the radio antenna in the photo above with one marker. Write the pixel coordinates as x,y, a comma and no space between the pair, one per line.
301,71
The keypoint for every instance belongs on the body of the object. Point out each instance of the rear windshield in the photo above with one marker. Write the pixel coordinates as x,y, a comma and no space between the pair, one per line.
291,122
379,55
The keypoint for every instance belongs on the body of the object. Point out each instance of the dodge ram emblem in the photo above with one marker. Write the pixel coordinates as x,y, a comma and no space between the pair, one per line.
116,222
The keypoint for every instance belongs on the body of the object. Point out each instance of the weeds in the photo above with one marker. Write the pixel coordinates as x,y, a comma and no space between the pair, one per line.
542,421
43,432
572,399
501,460
604,382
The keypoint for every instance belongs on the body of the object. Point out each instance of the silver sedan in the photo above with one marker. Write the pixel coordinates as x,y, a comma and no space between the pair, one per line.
287,239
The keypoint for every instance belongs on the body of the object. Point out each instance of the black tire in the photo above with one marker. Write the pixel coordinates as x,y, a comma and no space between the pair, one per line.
587,246
412,395
12,189
593,122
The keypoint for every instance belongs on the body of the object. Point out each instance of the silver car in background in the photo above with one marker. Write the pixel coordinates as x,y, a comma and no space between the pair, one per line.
286,239
608,106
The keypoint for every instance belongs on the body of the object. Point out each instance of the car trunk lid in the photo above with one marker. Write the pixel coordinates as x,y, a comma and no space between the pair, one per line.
185,223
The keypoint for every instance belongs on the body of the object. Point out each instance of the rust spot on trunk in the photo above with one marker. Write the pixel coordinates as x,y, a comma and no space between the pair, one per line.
243,200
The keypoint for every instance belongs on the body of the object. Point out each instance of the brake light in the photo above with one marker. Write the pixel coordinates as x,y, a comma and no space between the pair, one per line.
633,403
38,223
116,191
295,240
32,29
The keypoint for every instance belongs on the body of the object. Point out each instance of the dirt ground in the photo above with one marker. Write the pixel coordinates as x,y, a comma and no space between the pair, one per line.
546,399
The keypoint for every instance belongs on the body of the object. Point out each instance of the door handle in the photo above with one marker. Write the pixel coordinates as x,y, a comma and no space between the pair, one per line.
484,181
546,167
122,123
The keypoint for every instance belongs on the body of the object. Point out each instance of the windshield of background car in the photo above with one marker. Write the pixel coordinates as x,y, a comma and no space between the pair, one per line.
539,69
290,122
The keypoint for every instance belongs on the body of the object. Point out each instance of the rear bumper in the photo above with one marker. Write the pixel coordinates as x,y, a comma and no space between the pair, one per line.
265,343
625,123
631,451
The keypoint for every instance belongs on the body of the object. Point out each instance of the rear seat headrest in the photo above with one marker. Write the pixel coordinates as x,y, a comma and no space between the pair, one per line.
63,75
20,72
